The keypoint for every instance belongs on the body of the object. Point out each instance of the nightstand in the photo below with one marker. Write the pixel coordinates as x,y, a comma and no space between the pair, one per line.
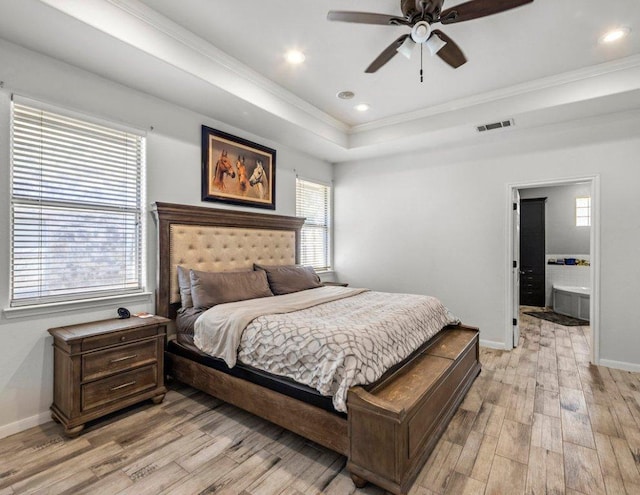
103,366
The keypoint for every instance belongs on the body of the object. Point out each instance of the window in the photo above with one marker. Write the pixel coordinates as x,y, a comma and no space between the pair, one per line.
583,212
313,201
76,207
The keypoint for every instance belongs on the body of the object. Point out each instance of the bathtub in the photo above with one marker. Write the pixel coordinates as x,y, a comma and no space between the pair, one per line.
572,301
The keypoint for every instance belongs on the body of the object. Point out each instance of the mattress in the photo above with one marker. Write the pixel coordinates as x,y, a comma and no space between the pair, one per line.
184,346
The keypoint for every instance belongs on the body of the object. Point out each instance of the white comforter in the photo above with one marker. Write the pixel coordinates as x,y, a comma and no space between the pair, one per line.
329,338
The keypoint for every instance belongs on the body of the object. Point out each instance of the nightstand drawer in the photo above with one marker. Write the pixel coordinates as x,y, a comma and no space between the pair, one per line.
113,388
121,337
102,363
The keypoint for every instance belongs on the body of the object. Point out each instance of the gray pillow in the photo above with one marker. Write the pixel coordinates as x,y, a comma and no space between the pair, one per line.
184,282
211,288
290,278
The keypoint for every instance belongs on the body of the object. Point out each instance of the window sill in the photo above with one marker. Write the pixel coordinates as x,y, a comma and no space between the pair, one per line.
61,307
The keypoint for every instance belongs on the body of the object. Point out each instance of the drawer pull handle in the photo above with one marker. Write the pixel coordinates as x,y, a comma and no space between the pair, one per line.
124,358
128,384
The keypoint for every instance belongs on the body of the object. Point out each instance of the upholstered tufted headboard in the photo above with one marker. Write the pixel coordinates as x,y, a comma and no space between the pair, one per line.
210,239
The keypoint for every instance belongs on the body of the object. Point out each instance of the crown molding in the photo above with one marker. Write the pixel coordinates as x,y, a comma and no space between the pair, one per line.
135,10
499,94
191,40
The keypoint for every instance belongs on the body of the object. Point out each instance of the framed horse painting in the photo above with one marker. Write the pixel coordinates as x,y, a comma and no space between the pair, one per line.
237,171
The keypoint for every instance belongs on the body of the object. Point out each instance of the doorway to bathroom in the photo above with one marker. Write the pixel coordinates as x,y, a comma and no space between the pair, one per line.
554,264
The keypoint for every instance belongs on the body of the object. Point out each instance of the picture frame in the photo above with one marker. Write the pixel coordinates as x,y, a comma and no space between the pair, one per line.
237,171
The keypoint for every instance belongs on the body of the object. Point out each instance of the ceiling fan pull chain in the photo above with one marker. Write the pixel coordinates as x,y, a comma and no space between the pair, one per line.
421,79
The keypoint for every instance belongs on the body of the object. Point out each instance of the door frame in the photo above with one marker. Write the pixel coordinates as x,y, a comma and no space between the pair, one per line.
594,248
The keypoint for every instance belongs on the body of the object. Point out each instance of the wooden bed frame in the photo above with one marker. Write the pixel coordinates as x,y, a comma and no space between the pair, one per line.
391,427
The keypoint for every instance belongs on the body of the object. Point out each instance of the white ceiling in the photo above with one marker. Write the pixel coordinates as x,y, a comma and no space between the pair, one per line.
540,63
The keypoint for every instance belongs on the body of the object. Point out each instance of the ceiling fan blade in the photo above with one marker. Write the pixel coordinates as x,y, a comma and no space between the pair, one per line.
450,53
386,55
360,17
478,8
408,7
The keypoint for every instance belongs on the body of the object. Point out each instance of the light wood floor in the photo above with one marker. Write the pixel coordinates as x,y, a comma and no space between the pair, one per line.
538,420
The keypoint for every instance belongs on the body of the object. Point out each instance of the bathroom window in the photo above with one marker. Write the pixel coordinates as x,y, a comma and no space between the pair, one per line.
583,212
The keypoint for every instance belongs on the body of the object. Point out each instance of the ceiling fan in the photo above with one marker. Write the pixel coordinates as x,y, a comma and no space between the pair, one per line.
420,15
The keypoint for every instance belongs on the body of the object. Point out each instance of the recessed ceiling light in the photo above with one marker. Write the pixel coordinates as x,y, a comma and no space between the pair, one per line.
614,35
362,107
345,95
295,57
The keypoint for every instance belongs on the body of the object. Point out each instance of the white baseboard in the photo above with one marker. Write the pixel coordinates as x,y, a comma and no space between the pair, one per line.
24,424
492,344
620,365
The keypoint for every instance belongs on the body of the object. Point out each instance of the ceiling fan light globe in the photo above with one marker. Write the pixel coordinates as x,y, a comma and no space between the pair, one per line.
435,44
406,49
421,32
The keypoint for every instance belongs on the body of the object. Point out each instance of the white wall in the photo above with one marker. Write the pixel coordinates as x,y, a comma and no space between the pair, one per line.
436,223
173,175
561,234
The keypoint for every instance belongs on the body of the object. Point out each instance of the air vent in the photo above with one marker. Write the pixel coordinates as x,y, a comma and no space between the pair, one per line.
495,125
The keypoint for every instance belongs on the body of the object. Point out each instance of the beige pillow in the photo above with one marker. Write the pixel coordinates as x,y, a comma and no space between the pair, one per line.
211,288
184,282
290,278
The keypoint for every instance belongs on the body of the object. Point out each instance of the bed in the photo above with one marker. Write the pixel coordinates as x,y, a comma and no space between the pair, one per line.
389,427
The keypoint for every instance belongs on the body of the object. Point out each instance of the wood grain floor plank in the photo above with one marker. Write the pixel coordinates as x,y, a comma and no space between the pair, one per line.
463,485
602,421
582,469
200,480
570,379
521,406
112,483
147,461
440,466
609,465
626,461
547,402
545,475
146,446
312,481
507,476
484,459
38,460
469,453
573,400
462,422
546,433
63,469
489,419
284,474
205,453
548,381
514,441
240,477
71,484
576,428
157,481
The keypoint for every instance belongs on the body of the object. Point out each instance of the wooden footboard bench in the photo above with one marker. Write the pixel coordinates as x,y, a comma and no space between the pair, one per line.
394,426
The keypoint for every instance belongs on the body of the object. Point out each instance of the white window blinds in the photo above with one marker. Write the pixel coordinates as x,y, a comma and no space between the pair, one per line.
313,201
76,208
